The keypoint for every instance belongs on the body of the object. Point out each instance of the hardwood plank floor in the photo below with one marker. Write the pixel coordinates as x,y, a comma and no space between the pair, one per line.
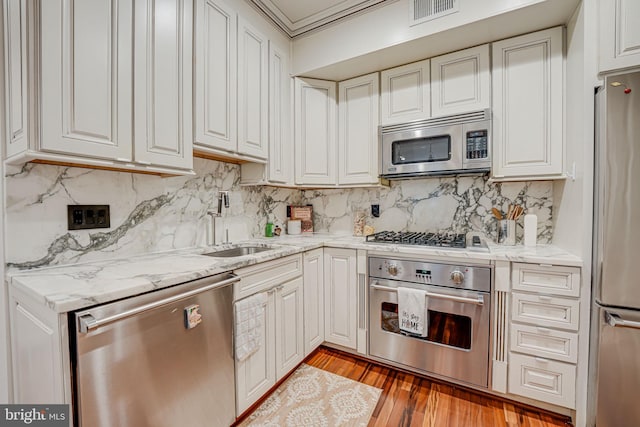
412,401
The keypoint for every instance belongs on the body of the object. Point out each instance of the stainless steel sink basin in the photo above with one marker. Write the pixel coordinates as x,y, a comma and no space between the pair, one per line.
239,251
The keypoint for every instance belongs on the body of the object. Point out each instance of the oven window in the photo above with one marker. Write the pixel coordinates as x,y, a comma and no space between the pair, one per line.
421,150
444,328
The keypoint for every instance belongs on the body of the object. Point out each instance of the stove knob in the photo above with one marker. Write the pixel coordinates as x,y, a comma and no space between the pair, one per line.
393,270
457,277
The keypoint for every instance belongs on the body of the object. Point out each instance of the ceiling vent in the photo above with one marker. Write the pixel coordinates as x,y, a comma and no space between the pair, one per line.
425,10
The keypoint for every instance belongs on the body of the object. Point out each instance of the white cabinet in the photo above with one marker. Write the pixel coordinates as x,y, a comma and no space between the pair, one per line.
280,166
279,169
358,130
215,76
405,93
619,34
340,297
527,85
282,326
40,352
163,47
257,373
81,63
315,132
253,91
289,326
544,333
461,81
313,265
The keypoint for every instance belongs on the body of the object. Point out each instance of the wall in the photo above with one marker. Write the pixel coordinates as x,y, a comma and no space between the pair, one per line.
382,37
459,204
153,214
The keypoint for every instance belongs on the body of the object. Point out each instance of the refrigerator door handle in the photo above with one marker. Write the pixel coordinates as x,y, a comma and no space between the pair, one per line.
618,322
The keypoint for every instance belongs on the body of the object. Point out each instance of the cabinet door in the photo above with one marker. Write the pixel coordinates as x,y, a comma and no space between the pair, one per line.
313,300
257,374
280,143
358,130
289,327
163,76
527,106
340,297
619,34
15,51
38,352
86,78
253,90
461,81
215,75
406,93
315,131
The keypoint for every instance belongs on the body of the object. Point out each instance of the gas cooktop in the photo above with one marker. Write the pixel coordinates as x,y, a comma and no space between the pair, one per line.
443,240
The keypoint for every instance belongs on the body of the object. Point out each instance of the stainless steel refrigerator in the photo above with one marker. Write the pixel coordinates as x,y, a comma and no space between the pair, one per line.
616,259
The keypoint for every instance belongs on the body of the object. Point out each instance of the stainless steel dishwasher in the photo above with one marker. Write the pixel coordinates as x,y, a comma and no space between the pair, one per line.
164,358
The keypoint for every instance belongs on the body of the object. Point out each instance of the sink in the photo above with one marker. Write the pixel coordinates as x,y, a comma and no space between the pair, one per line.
239,251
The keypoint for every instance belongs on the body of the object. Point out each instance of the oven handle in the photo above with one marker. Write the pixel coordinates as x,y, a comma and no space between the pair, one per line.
476,301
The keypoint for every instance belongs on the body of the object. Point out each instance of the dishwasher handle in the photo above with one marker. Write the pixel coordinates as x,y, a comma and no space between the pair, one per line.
88,323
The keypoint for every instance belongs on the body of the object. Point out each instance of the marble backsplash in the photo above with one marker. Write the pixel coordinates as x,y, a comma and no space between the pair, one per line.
153,214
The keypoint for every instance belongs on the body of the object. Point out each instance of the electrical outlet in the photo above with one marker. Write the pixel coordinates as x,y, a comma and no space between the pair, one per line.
375,211
82,217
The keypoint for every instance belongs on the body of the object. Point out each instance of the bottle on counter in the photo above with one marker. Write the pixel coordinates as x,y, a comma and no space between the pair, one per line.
268,229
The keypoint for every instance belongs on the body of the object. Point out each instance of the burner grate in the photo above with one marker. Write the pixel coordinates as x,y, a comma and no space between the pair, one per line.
449,240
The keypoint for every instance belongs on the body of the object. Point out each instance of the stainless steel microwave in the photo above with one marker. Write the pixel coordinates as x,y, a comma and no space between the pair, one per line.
449,145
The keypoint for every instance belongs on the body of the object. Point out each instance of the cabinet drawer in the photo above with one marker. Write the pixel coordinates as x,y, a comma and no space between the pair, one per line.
544,342
542,310
263,276
555,280
542,379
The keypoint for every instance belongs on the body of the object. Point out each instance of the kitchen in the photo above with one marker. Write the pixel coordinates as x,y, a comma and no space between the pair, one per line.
152,214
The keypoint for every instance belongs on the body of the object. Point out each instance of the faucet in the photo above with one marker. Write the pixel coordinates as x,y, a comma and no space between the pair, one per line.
223,198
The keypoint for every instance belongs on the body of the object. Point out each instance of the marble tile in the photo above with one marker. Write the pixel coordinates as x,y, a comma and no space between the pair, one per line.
153,214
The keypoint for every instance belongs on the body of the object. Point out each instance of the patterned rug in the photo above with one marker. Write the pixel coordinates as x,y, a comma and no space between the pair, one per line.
313,397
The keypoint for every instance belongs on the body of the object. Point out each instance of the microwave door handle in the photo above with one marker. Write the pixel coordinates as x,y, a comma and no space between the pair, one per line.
477,301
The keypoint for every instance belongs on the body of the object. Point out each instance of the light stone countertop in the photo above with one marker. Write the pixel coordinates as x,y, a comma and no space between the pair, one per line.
72,287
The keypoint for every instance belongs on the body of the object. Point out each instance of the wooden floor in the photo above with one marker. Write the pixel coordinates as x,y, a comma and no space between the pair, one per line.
408,400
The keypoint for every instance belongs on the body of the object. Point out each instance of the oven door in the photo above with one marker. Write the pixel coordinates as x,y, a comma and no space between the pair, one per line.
457,343
422,151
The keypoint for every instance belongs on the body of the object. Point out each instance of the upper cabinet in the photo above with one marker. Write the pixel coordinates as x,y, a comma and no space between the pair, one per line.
358,119
215,76
619,34
527,82
461,81
163,129
405,93
253,91
231,85
78,102
315,132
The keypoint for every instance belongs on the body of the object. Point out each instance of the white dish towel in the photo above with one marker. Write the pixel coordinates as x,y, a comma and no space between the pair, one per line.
248,324
412,311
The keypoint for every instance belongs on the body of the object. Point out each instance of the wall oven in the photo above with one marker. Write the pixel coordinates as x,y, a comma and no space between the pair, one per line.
449,145
458,308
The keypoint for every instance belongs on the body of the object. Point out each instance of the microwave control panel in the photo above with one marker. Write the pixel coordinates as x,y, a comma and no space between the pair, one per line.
477,144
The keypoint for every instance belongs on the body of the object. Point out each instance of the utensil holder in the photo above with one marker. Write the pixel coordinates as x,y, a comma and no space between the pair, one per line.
507,232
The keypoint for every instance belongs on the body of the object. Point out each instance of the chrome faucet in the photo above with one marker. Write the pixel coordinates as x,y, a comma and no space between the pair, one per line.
223,198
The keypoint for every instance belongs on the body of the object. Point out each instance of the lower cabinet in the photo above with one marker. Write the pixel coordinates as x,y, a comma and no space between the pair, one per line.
281,332
544,333
340,297
313,268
